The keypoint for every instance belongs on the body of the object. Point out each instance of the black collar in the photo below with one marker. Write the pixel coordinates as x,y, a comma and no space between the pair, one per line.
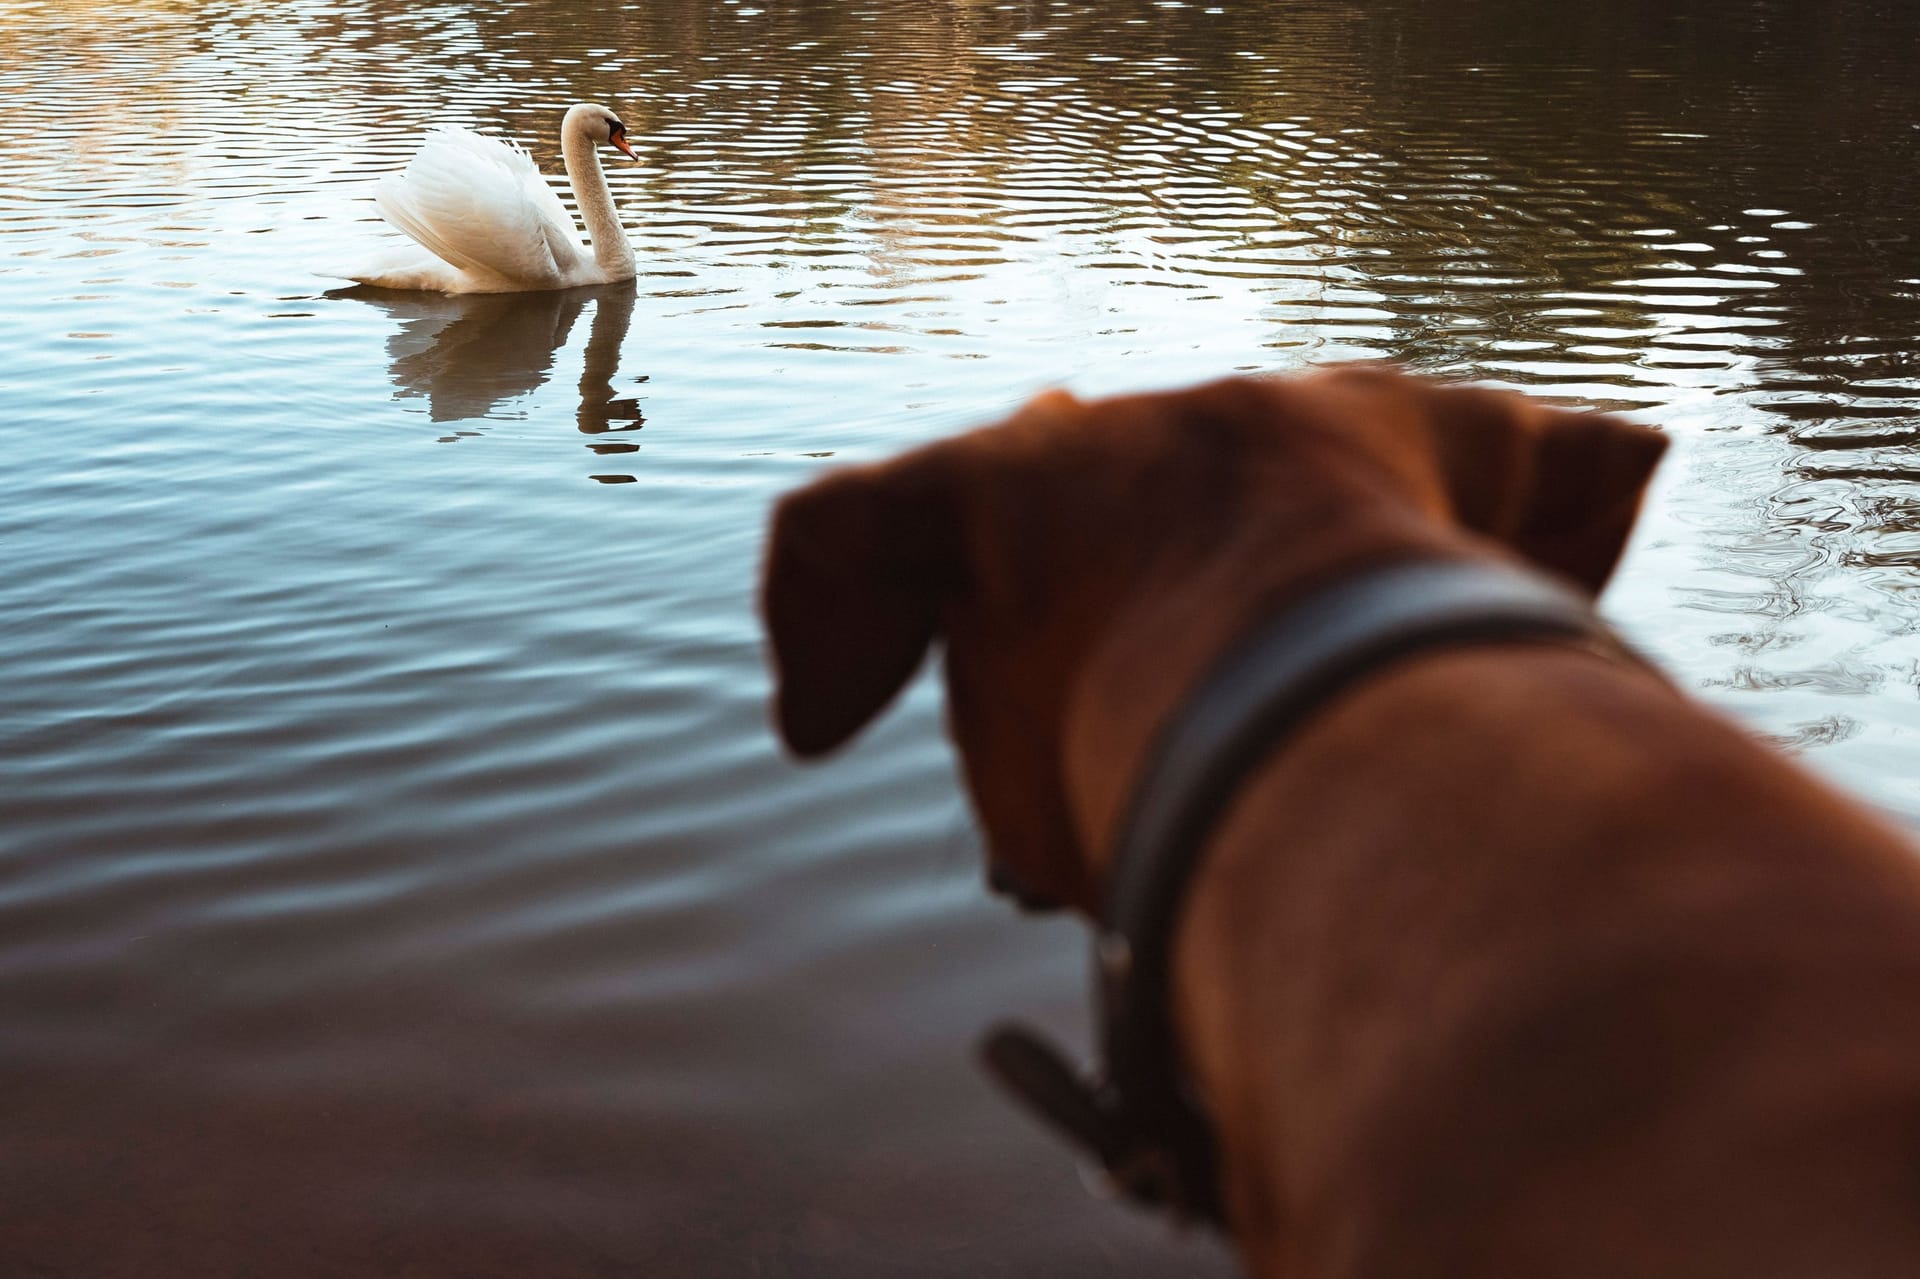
1137,1117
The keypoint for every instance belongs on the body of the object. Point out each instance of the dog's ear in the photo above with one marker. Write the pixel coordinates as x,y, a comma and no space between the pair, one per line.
858,564
1562,488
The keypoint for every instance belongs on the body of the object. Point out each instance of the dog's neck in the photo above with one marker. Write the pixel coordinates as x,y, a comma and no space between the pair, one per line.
1163,638
1161,646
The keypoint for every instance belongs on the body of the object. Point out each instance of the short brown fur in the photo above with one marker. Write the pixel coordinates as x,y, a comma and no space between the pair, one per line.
1514,961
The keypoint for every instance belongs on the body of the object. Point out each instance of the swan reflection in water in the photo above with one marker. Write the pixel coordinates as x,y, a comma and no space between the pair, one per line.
468,356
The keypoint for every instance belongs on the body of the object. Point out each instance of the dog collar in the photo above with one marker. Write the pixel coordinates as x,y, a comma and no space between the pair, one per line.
1137,1116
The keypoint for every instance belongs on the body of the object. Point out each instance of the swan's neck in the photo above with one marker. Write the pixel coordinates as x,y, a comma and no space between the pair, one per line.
610,247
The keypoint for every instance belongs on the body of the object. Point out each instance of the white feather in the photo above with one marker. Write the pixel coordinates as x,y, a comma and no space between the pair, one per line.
471,201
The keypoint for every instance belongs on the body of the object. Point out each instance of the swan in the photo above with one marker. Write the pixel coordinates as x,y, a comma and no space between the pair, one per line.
489,223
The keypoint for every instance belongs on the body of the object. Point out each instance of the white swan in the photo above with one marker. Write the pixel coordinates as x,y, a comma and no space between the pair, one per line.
490,223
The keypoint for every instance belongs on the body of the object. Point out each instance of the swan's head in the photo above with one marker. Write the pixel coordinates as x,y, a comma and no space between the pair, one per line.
600,124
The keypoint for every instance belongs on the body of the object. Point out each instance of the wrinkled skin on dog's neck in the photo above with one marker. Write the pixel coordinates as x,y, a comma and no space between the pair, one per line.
1075,559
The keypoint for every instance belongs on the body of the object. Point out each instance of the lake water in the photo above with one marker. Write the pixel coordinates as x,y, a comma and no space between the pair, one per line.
396,874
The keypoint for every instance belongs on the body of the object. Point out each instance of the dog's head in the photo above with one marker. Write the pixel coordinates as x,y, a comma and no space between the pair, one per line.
1020,545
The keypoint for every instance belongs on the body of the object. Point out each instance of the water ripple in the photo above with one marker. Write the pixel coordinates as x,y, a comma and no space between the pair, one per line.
386,776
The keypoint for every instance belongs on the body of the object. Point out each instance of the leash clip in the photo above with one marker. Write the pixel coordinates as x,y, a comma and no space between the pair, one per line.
1091,1114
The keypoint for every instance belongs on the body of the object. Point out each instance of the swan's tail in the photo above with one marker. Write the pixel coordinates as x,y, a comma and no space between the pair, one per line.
407,267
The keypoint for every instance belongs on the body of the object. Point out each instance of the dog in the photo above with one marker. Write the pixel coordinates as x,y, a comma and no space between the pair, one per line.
1507,958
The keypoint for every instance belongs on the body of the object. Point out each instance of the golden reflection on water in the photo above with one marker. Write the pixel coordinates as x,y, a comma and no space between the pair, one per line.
398,877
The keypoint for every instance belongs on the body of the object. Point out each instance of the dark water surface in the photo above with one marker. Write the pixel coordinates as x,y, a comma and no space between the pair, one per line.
396,876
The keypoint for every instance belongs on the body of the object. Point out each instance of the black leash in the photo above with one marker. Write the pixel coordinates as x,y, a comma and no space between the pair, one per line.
1136,1116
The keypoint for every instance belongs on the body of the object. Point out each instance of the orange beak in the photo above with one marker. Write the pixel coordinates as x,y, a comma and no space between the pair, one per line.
619,139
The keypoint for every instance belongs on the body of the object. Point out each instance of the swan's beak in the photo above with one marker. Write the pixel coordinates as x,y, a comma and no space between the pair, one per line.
619,139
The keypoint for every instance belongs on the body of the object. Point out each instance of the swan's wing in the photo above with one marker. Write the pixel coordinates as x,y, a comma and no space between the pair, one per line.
483,207
563,236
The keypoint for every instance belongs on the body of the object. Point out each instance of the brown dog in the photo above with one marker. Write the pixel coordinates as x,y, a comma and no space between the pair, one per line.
1512,961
